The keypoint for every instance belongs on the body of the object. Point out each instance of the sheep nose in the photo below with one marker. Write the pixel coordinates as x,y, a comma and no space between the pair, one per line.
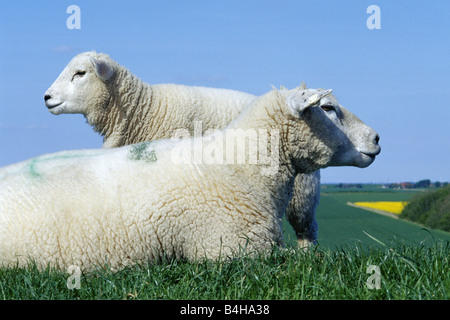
377,148
47,96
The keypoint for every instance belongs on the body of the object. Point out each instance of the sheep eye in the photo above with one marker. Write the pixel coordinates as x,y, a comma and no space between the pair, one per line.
327,108
79,74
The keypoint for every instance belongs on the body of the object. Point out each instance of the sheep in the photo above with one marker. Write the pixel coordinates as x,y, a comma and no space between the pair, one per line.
158,200
125,110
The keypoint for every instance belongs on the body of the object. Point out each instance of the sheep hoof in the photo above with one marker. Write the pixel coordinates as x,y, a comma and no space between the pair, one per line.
304,244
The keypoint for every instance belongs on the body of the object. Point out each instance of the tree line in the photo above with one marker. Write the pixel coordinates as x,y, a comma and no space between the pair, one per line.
431,209
426,183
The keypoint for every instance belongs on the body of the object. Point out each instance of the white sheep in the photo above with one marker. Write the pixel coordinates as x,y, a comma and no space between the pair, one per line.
125,110
143,202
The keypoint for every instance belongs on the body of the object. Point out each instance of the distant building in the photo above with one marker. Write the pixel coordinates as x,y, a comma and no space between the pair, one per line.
406,185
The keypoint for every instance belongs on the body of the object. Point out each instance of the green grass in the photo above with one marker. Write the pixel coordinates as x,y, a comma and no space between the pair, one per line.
406,273
342,225
431,209
413,261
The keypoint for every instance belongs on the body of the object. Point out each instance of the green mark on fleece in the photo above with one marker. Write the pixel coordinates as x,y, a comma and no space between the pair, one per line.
32,168
33,162
140,152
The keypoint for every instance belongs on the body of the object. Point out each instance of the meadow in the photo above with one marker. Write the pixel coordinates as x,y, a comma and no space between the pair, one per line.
341,225
412,262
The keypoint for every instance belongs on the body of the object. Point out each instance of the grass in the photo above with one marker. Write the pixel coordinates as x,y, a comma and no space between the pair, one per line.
342,225
431,209
413,262
406,273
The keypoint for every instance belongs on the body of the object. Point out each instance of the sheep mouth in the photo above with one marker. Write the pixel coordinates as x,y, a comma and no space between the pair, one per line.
372,152
51,106
369,155
366,159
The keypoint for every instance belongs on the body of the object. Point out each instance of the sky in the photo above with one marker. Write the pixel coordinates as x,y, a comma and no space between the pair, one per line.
395,78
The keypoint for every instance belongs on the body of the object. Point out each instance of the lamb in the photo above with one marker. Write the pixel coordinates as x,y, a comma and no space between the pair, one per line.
125,110
159,202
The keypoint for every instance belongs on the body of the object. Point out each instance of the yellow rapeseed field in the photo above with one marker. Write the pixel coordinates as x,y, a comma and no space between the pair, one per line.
388,206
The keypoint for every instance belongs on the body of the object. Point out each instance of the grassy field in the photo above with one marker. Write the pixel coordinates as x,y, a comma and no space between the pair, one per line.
343,226
406,272
413,263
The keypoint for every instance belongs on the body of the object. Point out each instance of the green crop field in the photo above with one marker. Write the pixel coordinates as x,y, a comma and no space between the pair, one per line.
413,263
342,225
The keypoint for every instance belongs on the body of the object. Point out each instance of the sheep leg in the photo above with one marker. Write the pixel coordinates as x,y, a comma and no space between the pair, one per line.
301,212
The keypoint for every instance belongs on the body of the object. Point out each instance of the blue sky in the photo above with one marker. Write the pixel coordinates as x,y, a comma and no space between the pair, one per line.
396,79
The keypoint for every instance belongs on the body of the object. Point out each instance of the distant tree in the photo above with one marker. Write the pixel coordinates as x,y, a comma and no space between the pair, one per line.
431,209
423,183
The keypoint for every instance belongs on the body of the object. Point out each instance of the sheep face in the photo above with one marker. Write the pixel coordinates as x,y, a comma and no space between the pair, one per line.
80,86
344,139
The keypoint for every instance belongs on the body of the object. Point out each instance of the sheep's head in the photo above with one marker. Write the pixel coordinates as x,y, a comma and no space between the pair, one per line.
336,136
81,85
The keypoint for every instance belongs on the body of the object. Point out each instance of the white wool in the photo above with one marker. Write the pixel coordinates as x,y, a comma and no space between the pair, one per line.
125,110
136,204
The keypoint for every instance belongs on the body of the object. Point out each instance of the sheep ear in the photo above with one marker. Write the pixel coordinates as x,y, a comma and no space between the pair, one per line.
297,103
103,70
325,93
